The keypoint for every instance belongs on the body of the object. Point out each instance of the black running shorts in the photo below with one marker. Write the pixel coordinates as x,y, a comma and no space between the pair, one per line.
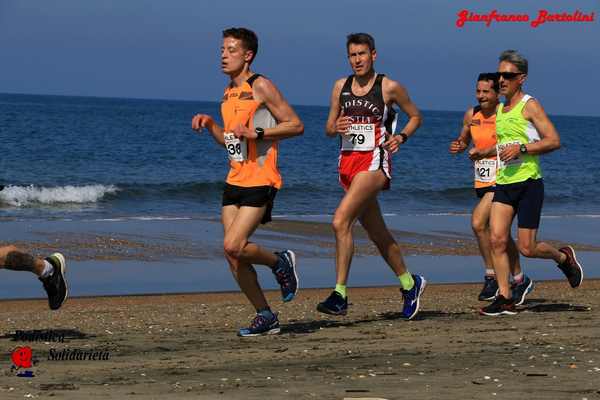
480,192
256,196
526,198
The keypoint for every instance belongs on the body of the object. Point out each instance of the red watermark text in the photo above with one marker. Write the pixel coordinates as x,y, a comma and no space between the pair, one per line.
543,16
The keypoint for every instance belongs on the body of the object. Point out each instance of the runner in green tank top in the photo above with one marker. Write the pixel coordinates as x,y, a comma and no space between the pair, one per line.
523,132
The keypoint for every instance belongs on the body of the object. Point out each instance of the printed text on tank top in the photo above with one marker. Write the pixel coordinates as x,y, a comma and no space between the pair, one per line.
367,113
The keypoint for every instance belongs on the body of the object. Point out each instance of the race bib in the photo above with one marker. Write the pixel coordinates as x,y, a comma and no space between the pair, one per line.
360,137
485,170
237,150
514,161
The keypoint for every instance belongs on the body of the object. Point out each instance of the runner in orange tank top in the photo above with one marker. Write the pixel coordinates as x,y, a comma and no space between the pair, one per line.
255,117
479,125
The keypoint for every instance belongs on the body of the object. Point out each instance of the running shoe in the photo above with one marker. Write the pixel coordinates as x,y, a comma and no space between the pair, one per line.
490,287
571,267
500,306
264,323
520,290
286,275
55,284
335,304
412,297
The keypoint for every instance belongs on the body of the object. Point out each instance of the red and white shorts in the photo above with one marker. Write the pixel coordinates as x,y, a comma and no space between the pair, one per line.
353,162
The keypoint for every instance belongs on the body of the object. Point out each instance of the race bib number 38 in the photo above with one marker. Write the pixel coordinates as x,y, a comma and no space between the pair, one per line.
237,150
360,137
485,170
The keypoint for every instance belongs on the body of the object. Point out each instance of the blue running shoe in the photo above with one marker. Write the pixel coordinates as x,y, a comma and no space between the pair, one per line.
335,304
490,287
265,323
412,297
286,275
520,290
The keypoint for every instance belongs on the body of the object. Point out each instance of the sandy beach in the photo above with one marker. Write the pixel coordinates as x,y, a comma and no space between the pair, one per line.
184,346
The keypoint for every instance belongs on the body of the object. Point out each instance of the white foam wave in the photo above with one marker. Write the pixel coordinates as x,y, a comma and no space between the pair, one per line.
20,196
158,218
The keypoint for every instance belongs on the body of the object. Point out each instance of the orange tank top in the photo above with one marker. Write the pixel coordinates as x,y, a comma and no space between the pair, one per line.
252,162
483,132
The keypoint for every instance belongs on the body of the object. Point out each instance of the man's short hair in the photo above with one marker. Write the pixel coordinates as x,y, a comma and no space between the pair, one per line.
516,59
360,38
490,76
246,36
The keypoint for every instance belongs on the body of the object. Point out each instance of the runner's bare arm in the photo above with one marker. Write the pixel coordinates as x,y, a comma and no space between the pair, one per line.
464,138
289,124
336,123
201,121
478,154
550,139
396,93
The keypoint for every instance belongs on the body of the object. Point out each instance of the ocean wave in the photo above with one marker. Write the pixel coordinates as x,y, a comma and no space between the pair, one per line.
23,196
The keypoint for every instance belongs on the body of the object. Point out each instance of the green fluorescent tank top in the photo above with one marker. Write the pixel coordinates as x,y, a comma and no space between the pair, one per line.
511,128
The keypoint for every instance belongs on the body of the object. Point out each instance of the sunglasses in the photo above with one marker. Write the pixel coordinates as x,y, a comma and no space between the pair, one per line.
508,75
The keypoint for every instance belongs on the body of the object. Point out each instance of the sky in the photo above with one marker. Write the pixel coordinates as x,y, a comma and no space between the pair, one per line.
170,49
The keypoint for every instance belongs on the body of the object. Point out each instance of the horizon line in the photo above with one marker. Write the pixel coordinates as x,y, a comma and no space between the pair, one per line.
212,101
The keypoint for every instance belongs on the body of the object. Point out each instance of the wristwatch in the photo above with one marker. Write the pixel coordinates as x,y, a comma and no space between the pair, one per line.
260,133
523,149
403,135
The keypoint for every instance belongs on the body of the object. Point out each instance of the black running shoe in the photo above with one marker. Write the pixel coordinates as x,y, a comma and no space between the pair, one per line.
490,287
571,267
335,304
520,290
500,306
56,285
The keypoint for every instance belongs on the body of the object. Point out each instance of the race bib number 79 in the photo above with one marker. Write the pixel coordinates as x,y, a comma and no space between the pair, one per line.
360,137
237,150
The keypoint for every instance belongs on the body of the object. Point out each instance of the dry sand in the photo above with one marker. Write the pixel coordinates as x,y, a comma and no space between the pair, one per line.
184,346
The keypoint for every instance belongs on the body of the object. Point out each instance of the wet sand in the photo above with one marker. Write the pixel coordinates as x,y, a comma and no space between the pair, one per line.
203,240
184,346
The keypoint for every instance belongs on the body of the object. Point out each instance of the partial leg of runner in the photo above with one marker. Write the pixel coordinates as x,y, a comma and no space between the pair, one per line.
237,228
14,259
240,223
480,222
361,199
412,286
50,271
564,257
364,188
501,218
522,285
373,222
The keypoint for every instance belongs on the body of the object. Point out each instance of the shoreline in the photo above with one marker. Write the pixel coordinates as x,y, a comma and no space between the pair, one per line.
269,292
